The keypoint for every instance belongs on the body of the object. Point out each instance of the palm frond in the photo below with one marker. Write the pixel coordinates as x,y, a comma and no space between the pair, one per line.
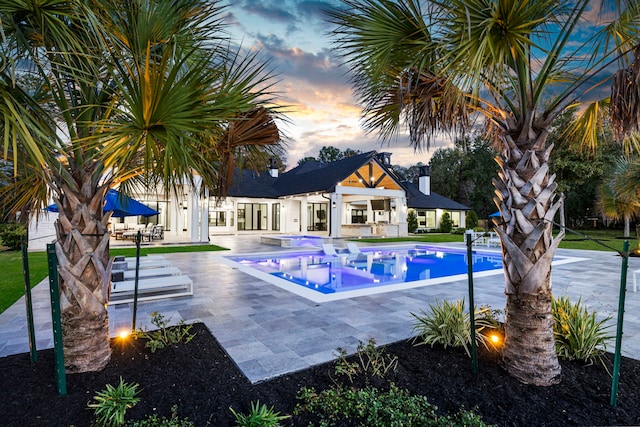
625,99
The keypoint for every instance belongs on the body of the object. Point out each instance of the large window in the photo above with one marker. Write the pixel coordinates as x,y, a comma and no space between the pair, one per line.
317,217
426,219
275,216
455,217
358,216
252,216
217,218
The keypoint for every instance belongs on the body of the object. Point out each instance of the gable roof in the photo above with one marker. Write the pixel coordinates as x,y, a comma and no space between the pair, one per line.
418,200
313,176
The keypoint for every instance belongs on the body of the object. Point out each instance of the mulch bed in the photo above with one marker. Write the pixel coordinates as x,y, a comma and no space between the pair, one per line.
201,379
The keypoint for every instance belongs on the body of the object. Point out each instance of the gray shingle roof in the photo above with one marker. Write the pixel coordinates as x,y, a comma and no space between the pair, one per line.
418,200
311,177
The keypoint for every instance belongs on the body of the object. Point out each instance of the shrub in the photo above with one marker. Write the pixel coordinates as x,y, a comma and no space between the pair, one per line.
164,335
412,221
113,402
373,407
471,219
12,235
155,421
260,416
446,223
449,324
368,360
578,335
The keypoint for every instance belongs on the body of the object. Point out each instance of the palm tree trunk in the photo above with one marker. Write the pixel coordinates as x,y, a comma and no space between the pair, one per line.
82,249
527,201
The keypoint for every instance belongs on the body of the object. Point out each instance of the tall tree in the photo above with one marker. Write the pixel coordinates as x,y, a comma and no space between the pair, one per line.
329,154
445,168
579,173
119,91
517,65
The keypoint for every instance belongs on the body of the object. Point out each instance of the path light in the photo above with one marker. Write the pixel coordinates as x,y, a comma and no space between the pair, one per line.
123,334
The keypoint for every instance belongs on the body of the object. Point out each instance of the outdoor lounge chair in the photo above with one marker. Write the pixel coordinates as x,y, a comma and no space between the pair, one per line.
151,288
329,250
353,248
144,273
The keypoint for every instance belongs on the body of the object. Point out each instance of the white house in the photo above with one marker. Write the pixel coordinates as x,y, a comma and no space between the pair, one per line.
357,196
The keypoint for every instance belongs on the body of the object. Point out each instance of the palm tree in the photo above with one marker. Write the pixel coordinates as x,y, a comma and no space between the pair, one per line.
99,93
618,196
512,66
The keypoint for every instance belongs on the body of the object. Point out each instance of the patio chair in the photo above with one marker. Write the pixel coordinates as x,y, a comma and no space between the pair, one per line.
329,250
353,248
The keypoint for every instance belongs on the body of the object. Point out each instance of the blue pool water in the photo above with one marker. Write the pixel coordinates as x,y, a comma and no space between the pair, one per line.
372,268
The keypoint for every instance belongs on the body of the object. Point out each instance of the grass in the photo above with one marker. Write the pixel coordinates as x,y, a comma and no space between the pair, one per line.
611,238
12,283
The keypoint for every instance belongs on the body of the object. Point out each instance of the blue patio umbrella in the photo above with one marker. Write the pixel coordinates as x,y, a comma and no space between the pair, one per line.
494,214
121,205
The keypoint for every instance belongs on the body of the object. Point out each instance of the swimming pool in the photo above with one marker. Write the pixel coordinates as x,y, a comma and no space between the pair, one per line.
313,275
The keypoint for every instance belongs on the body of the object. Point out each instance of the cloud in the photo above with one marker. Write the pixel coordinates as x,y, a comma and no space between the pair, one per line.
267,10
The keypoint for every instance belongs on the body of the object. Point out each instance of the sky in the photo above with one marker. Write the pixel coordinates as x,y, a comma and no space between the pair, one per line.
294,35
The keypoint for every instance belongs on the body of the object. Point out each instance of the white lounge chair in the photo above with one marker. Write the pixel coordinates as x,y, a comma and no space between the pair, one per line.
147,272
150,289
353,248
329,250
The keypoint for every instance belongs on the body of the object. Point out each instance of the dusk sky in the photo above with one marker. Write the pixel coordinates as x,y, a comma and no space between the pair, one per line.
294,34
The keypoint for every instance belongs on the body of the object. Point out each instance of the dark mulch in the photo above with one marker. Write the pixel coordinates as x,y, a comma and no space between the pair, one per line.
205,383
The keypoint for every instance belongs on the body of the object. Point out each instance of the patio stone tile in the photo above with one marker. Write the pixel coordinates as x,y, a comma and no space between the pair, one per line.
248,351
269,331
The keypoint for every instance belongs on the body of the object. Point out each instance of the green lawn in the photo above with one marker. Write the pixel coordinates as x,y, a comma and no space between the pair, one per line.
12,283
612,239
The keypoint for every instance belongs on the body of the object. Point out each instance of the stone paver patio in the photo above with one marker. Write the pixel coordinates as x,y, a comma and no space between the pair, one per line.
269,331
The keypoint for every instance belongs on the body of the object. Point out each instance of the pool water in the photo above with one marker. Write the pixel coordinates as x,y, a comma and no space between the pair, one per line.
372,268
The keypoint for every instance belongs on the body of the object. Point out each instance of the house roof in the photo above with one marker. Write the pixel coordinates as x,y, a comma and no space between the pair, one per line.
246,183
322,177
418,200
313,176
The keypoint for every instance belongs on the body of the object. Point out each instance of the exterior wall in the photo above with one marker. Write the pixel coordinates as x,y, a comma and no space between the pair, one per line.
457,216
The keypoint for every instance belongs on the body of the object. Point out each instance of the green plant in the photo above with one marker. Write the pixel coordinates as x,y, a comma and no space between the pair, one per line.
113,402
12,235
446,223
164,335
450,325
260,416
471,219
373,407
412,221
368,360
577,333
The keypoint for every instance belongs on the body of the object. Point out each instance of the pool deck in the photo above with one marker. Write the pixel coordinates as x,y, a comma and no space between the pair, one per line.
268,331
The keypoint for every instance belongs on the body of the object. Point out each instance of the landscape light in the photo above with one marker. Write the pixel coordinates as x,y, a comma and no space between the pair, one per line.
124,334
495,338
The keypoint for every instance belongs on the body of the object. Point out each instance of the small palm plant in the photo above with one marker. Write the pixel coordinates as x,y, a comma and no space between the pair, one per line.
578,334
449,324
259,416
112,403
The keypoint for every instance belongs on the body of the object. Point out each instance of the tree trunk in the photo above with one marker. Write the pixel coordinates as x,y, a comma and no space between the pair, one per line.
82,248
525,194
